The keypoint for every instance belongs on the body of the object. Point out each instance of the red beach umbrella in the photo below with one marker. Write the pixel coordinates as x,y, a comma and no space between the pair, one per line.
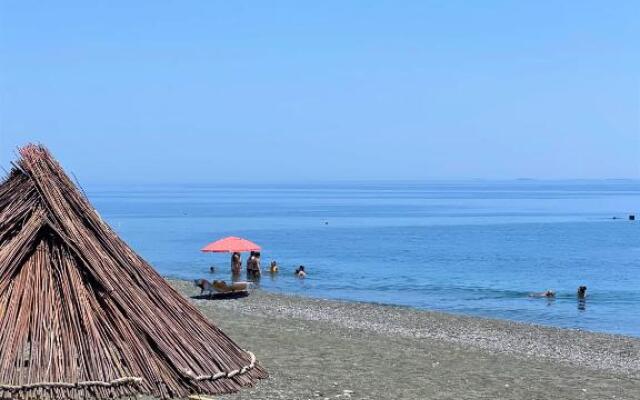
230,244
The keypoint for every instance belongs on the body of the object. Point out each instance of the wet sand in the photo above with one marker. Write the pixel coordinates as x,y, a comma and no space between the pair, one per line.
322,349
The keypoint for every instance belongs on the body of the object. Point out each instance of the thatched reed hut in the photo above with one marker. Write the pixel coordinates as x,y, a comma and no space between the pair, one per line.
83,316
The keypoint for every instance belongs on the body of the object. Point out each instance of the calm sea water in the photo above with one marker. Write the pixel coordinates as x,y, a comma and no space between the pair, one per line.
476,248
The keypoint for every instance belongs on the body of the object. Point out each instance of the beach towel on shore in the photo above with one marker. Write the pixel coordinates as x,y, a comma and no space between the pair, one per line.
84,316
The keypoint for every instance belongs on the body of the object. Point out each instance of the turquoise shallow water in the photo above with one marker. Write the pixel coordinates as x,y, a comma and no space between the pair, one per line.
476,248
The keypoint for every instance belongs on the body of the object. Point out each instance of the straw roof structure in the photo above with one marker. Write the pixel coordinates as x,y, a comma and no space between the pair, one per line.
83,316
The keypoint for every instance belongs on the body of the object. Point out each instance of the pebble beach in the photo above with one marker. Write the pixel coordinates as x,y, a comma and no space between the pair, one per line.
325,349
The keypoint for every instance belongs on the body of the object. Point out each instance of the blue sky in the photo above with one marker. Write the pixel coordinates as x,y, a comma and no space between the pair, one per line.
333,90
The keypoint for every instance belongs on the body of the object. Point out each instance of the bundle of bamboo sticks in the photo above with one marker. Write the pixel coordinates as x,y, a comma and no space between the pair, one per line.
83,316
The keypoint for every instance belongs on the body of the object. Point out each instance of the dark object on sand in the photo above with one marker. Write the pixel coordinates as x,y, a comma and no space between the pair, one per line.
222,296
582,292
632,217
83,315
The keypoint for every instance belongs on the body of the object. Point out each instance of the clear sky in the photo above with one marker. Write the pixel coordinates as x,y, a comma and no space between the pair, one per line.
153,91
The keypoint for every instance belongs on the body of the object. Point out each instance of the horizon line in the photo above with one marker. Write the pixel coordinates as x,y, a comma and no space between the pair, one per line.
353,181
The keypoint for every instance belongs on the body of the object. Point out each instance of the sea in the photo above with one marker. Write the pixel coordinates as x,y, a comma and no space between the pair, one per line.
477,247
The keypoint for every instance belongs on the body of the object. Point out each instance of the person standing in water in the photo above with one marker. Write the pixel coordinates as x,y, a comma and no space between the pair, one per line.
236,264
582,292
253,264
582,298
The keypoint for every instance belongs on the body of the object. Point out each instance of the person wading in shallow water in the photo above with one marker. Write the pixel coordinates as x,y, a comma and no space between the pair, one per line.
582,292
582,298
273,268
236,264
253,264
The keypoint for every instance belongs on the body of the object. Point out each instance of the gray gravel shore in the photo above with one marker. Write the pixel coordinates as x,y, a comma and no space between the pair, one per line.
331,349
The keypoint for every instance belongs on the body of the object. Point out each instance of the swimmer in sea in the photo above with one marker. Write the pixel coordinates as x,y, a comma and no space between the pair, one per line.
549,294
300,273
273,268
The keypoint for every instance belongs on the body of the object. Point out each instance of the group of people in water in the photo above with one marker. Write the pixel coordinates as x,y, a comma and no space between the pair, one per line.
238,287
550,294
253,266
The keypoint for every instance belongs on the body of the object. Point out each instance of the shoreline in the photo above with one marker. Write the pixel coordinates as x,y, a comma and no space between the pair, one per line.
289,332
448,313
441,312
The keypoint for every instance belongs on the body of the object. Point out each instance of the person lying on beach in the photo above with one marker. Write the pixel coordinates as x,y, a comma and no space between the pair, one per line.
220,286
547,293
223,287
582,292
273,268
300,272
